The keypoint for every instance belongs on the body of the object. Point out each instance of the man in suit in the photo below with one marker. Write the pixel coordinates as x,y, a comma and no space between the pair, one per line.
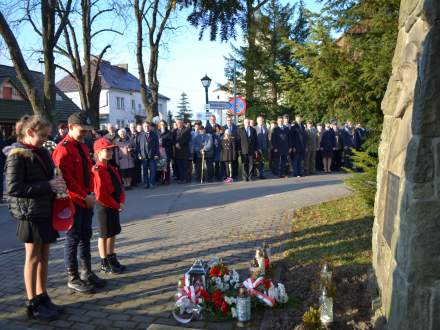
210,125
182,139
299,144
233,130
247,137
147,149
281,145
262,144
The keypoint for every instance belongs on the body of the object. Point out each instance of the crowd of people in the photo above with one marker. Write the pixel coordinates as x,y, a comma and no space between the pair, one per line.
152,153
96,167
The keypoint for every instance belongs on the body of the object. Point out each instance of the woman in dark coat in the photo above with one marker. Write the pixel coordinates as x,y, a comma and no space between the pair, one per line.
217,141
327,147
31,185
228,154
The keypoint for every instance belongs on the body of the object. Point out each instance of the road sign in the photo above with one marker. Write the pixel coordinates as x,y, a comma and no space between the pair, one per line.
240,105
219,105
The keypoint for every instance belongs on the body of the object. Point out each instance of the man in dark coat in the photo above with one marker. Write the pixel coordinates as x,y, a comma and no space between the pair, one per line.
233,131
281,145
137,171
262,144
210,125
147,149
299,140
248,144
348,143
182,138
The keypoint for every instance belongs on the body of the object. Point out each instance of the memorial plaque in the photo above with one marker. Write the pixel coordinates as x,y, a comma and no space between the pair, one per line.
392,201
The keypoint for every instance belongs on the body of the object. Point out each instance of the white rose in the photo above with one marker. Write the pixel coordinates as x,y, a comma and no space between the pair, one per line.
226,278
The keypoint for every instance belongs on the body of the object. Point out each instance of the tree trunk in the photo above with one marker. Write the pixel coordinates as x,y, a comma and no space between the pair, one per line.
21,68
152,109
249,62
139,57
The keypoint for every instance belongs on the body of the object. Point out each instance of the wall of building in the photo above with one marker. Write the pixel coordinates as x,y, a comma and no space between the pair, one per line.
110,112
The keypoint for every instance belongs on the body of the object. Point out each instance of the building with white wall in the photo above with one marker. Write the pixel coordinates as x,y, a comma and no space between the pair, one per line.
120,100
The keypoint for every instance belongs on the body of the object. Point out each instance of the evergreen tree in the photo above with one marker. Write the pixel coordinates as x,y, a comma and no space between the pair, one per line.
170,119
184,112
274,27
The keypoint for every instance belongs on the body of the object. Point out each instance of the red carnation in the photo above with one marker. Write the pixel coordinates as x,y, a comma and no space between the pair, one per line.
224,308
214,271
217,299
267,284
205,295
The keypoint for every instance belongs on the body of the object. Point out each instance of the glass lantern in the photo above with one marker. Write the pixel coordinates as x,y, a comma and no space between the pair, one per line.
197,275
326,307
243,308
326,275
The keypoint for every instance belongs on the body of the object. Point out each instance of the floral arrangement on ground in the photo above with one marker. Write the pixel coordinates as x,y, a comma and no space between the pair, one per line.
212,291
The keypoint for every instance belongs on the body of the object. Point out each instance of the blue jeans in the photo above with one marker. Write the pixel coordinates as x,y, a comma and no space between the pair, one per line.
149,172
297,159
78,236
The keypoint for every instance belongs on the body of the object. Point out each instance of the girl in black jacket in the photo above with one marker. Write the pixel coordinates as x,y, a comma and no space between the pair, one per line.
30,185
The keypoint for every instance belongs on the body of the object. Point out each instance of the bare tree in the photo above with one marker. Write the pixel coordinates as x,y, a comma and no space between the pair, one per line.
53,22
152,19
86,75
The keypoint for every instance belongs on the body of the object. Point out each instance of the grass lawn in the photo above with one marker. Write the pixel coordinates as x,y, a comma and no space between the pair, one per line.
339,230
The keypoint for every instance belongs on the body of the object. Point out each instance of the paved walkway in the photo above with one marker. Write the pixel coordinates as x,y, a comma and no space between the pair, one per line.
164,231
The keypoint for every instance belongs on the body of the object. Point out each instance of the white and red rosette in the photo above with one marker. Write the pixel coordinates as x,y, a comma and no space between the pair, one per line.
251,284
192,294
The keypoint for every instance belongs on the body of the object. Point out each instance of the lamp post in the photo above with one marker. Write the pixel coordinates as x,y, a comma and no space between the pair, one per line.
206,82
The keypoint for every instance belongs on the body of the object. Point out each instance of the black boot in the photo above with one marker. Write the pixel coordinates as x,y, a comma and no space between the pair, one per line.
36,310
114,261
105,268
75,283
113,268
45,300
90,277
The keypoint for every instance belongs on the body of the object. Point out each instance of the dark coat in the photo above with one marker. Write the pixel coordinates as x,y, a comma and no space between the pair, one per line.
262,138
328,140
247,144
166,140
148,145
281,140
182,138
217,142
299,137
28,173
228,153
347,138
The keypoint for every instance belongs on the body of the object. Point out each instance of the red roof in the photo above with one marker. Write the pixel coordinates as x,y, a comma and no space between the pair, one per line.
112,77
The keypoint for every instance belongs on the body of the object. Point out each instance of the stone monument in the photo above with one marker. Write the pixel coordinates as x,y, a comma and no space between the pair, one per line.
406,232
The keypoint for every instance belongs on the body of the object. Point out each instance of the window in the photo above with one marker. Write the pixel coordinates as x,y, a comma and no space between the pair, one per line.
133,104
7,93
120,103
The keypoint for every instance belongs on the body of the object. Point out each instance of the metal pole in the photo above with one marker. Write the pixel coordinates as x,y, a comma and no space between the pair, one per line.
235,91
206,96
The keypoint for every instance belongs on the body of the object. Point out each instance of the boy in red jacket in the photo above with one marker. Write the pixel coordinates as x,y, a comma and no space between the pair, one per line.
110,199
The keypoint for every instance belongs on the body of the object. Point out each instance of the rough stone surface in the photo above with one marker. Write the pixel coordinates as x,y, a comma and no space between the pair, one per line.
408,269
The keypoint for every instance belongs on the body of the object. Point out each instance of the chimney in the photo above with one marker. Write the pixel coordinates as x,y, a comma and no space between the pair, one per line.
123,66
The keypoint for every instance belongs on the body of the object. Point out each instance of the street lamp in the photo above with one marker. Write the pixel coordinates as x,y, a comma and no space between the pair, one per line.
206,82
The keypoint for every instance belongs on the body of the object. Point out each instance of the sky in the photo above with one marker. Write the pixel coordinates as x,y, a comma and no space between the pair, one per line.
184,59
